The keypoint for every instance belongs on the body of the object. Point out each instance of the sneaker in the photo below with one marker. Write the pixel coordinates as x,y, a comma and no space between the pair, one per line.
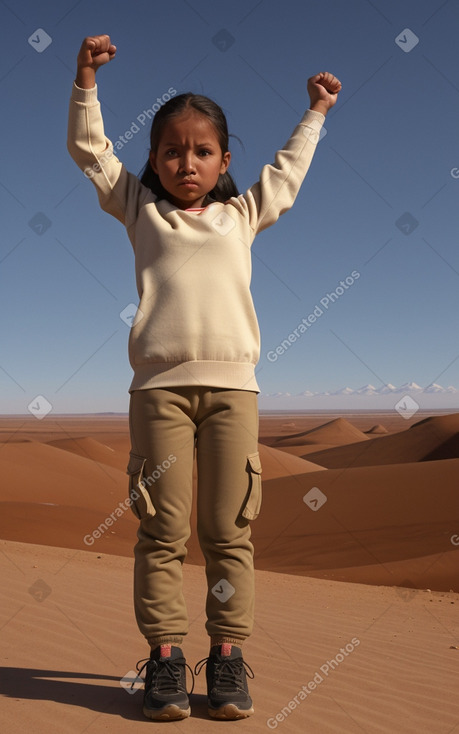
165,696
227,690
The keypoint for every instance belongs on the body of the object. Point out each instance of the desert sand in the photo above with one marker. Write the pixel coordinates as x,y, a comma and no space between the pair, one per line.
357,558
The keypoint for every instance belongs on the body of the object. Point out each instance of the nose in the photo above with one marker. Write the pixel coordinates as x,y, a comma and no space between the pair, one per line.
187,165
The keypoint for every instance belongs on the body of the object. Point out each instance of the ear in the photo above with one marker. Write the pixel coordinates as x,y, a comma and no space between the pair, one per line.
152,159
225,162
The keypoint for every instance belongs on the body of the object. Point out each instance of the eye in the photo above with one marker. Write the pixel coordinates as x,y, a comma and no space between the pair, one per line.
171,152
204,152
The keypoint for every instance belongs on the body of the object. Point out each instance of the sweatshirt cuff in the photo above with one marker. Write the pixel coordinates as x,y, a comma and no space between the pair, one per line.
86,96
312,115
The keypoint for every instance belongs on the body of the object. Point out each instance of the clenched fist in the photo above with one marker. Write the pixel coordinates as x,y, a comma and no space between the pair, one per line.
95,51
323,91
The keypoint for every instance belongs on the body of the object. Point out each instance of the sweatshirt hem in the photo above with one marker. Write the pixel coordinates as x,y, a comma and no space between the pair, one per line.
226,375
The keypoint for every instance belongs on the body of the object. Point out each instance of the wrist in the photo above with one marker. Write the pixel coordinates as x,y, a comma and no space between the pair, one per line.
85,78
320,106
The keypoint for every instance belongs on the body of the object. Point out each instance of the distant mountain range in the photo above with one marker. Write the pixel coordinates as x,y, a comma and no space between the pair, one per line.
368,396
407,387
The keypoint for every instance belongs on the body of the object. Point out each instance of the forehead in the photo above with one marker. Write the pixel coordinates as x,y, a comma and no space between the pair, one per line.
190,125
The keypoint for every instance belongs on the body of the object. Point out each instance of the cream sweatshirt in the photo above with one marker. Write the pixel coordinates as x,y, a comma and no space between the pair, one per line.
196,323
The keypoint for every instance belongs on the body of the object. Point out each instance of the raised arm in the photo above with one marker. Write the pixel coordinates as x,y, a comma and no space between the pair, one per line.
279,182
120,192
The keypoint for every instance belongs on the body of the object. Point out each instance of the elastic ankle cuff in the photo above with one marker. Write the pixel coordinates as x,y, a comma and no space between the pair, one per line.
176,640
222,640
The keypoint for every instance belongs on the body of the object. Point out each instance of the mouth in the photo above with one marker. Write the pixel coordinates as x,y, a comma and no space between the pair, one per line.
188,183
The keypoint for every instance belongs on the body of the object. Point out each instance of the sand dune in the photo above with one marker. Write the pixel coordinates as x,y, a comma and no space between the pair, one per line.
67,526
303,450
378,524
433,438
89,448
378,429
106,429
276,463
336,432
374,524
38,472
50,494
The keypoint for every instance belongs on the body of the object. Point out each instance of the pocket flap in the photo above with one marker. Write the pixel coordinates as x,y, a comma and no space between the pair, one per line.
253,501
141,503
255,463
135,465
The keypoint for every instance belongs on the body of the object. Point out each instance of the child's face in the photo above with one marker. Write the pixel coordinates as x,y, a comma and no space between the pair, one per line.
189,159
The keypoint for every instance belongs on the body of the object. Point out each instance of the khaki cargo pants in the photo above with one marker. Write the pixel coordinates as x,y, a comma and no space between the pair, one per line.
167,426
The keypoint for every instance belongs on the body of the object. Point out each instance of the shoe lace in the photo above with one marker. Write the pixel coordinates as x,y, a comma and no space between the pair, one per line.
168,673
227,672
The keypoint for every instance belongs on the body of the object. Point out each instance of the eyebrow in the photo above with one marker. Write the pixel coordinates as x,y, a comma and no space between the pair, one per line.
199,145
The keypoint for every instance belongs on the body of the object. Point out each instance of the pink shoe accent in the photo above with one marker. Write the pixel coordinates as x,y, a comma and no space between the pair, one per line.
166,651
226,649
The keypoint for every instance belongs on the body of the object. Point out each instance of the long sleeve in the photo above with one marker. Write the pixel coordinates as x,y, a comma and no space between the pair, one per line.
279,182
120,192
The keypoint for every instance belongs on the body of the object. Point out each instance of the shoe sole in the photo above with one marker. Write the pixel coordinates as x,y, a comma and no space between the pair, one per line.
168,713
230,712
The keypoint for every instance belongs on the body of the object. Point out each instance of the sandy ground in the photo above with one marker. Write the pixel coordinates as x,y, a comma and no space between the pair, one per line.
69,638
357,557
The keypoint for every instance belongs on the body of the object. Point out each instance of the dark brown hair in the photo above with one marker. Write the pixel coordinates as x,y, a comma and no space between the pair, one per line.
225,187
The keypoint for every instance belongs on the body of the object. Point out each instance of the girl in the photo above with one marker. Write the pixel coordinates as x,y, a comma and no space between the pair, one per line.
193,346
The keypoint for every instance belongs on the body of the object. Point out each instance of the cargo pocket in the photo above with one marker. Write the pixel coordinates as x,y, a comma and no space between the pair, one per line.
139,496
253,502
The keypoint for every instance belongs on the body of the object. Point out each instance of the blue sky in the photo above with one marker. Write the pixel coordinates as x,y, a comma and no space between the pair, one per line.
380,197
